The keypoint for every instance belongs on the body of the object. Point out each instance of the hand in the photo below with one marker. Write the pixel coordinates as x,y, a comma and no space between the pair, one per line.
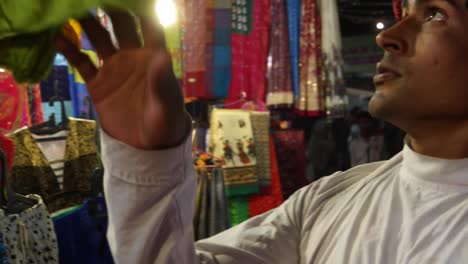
135,92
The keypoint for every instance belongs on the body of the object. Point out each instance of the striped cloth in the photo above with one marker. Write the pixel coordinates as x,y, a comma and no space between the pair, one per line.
54,152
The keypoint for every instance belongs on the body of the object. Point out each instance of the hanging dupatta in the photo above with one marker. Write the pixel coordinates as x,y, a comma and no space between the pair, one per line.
280,86
332,60
251,22
310,101
294,29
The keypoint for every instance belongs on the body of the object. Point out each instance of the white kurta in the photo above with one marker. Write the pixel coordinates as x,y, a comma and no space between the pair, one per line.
410,209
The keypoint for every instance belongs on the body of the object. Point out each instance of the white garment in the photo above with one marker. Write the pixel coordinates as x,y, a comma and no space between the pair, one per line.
410,209
54,152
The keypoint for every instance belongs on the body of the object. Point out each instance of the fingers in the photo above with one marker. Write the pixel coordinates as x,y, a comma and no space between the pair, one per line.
99,37
125,29
79,60
153,33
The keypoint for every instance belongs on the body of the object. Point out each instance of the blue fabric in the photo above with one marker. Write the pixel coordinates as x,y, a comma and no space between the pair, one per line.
3,252
294,24
82,238
222,51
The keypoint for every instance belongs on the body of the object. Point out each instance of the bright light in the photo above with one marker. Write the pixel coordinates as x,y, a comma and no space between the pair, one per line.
380,26
2,70
166,12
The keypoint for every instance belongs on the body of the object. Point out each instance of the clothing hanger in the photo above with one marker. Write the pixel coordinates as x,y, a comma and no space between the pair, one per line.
10,201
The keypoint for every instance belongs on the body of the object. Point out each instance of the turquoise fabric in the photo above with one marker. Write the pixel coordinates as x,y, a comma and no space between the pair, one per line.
27,28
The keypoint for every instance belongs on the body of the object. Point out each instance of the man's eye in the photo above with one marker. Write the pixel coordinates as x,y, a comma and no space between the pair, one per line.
436,15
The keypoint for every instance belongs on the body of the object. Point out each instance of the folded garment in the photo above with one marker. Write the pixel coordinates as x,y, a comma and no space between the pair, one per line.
27,28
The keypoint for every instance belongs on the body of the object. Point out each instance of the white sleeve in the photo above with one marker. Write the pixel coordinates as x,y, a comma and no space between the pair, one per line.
150,197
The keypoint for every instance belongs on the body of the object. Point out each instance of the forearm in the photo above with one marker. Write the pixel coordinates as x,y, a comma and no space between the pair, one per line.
150,198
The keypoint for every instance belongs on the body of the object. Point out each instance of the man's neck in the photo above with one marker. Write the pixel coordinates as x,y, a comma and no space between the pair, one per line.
445,140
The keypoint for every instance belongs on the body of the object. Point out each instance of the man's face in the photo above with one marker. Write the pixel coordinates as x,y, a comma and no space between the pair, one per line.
424,72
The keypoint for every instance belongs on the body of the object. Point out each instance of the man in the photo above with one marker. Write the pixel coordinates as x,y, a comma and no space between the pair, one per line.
410,209
368,145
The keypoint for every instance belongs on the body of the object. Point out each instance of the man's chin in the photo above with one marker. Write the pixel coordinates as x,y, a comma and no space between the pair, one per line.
378,107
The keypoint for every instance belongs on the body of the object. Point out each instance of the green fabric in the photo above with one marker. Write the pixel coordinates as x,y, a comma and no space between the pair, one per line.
64,212
238,209
27,28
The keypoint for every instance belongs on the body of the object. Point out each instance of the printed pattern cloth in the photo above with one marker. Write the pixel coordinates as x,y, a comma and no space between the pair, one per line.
261,130
32,173
232,140
30,236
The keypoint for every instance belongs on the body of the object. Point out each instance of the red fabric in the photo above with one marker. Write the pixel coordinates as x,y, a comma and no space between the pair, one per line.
259,204
290,146
9,102
249,58
397,9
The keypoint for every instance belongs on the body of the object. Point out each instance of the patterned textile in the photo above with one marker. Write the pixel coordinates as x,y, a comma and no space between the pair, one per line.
242,16
259,204
194,49
32,173
29,236
261,131
219,66
290,147
310,101
280,86
249,57
294,24
14,104
207,49
232,139
9,102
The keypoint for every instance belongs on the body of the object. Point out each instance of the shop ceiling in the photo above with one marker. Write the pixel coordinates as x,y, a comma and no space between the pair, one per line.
359,17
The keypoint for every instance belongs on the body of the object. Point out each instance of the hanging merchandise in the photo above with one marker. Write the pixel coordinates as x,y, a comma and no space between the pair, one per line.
261,130
14,104
56,166
249,56
207,49
294,29
262,203
238,209
242,16
310,100
290,147
174,33
211,206
26,230
280,86
332,60
81,234
232,139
